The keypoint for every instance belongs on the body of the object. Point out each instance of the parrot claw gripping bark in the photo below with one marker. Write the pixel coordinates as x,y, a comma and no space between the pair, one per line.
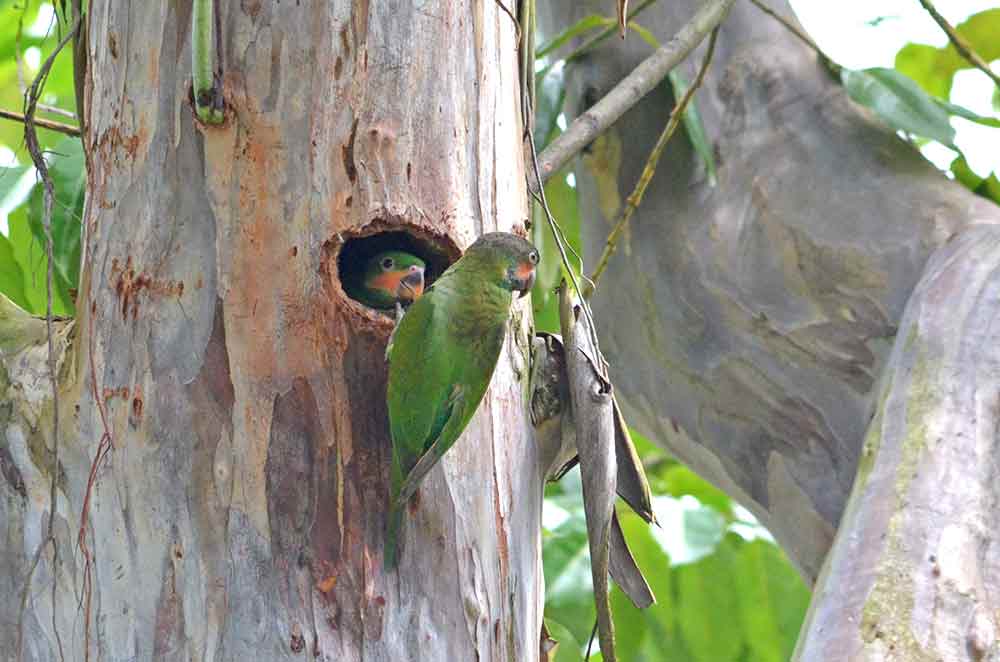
441,358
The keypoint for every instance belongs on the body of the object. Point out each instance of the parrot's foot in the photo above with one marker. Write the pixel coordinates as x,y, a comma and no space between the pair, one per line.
399,318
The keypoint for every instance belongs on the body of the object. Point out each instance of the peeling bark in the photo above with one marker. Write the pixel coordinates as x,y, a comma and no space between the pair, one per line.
240,512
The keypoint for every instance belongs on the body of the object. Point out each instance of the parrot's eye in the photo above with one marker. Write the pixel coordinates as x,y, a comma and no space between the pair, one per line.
387,263
533,257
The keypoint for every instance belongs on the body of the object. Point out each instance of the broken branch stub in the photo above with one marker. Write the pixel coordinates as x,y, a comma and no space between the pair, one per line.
593,415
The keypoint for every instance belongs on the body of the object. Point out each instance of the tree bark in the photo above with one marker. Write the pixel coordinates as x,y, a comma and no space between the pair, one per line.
914,571
752,319
240,511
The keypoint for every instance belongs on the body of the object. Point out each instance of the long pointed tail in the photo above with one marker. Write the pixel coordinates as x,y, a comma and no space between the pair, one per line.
394,523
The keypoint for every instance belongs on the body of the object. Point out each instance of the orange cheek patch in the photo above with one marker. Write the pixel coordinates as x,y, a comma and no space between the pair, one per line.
387,281
524,270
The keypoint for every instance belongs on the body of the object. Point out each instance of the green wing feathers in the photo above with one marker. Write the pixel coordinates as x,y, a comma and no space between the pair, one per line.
437,379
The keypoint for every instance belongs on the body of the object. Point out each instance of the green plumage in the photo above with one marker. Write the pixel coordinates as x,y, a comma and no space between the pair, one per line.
441,359
377,284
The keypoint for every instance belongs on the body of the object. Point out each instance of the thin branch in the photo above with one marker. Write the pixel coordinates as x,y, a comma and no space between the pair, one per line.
561,244
831,66
634,87
35,149
633,200
68,129
961,45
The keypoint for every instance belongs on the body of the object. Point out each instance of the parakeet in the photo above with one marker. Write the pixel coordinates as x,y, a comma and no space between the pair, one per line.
388,278
442,357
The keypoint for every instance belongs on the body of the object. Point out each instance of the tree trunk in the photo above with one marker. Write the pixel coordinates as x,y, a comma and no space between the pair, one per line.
913,574
759,333
239,512
752,319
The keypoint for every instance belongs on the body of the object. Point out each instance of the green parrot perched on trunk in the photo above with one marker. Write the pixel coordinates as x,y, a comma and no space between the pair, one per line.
441,359
388,278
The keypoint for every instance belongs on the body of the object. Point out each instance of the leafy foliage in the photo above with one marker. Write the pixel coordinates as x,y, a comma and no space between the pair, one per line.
934,68
724,590
914,96
903,105
29,34
23,263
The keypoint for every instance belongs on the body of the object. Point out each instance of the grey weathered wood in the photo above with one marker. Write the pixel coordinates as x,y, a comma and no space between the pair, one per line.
594,420
747,324
914,570
240,512
555,428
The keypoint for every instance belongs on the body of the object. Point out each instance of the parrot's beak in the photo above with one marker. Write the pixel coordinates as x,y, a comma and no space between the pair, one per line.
411,286
524,278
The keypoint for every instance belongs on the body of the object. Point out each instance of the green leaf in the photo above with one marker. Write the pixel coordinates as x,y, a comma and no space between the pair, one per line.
934,68
644,34
960,111
563,204
709,620
900,102
550,94
920,63
569,648
964,174
694,127
569,595
689,531
11,277
679,480
9,179
30,256
584,25
989,188
772,600
66,165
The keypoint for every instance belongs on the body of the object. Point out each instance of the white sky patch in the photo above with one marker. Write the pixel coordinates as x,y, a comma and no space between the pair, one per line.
44,23
860,35
33,58
571,180
17,194
8,159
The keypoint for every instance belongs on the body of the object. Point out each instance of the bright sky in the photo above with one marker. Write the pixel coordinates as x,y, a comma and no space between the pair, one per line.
860,34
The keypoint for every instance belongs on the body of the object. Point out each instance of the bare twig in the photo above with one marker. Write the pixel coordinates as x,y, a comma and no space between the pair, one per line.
528,111
80,65
633,200
634,87
34,148
961,45
68,129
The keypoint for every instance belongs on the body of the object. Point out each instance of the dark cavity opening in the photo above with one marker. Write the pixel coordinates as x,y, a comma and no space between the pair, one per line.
437,252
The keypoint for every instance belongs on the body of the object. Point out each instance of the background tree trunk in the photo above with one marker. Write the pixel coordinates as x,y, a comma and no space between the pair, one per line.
914,571
239,513
752,319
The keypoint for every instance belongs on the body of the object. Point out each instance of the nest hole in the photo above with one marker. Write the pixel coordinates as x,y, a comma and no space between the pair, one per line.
437,252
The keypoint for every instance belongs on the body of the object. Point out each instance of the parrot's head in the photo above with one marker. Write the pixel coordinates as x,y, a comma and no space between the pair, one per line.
515,259
393,276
